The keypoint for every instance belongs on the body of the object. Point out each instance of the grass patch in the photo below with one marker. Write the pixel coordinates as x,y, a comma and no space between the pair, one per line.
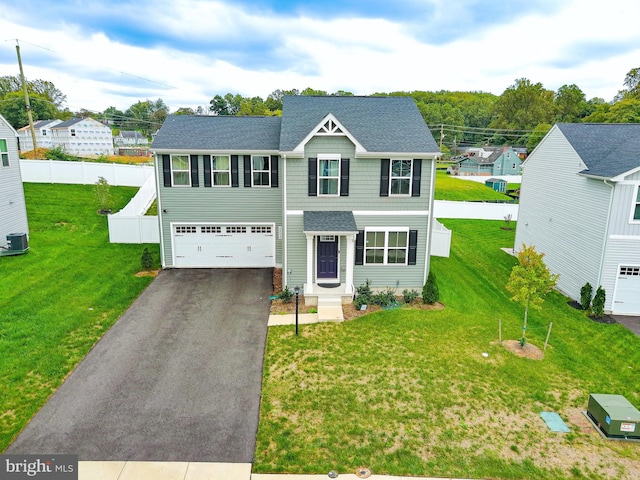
409,393
61,297
452,188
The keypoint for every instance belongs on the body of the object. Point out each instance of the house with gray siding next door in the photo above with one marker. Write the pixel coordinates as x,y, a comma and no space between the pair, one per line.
580,206
13,209
336,191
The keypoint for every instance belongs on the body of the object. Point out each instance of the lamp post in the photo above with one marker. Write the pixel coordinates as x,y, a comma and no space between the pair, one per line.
297,290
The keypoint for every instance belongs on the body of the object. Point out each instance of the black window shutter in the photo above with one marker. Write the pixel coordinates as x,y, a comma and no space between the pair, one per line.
166,170
247,170
384,177
417,176
234,171
313,177
360,248
194,170
413,246
344,177
274,171
207,170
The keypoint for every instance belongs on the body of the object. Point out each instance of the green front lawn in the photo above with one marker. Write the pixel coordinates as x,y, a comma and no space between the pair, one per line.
449,187
57,300
410,393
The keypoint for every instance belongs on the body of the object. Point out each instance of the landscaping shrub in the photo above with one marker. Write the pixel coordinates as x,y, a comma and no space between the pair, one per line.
364,295
58,153
430,292
286,295
386,299
146,260
585,296
597,306
409,296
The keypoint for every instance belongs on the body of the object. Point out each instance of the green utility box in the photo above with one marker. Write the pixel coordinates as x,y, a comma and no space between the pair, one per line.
614,415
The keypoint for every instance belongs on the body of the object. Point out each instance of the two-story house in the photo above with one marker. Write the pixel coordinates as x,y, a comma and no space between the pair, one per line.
580,206
130,138
42,129
490,161
336,191
13,210
84,137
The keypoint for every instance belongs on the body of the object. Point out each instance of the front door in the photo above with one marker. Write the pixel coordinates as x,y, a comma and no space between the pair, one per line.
327,257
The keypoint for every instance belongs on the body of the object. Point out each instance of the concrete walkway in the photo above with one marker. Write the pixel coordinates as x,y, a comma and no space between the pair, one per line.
198,471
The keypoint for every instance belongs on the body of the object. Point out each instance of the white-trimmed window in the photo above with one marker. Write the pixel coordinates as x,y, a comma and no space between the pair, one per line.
220,171
73,132
635,212
328,175
400,178
260,170
386,246
4,152
180,174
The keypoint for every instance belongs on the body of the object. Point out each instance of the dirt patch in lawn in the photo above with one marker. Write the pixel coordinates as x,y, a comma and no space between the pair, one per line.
528,351
148,273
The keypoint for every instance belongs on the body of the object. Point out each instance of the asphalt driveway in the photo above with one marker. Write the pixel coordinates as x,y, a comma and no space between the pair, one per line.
177,378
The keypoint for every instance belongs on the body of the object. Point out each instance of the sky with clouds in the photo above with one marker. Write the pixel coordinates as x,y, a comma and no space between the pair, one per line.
114,53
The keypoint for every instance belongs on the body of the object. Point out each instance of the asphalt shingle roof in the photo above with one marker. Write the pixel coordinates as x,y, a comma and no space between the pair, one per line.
379,124
607,149
329,221
193,132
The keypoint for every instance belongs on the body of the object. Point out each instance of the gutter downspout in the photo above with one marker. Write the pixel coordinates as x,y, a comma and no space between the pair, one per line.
285,275
156,173
427,263
606,236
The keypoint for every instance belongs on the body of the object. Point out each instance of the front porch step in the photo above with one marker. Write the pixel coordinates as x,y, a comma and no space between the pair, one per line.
330,309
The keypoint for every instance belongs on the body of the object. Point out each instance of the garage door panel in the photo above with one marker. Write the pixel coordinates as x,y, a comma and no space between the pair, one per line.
627,291
224,246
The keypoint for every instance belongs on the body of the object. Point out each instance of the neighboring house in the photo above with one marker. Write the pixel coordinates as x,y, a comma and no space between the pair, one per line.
130,138
497,184
83,137
43,134
580,206
13,210
490,161
336,191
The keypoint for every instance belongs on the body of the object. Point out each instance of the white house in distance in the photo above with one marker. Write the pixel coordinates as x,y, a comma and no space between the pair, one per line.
43,134
83,137
13,210
130,138
580,206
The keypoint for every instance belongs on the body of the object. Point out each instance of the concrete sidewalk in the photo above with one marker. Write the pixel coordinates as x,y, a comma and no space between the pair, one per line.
198,471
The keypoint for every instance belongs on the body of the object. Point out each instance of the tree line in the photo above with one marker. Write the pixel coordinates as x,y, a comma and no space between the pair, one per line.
520,116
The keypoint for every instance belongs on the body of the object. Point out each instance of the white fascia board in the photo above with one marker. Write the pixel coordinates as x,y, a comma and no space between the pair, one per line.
622,176
400,155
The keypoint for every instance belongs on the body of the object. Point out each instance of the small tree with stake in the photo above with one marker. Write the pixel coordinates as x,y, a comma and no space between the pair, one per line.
102,189
529,282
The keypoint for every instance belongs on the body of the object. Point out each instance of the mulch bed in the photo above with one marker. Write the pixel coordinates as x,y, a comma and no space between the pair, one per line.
608,319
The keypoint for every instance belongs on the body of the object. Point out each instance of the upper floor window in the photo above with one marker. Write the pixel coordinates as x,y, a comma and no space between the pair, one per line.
221,171
44,132
260,170
400,183
328,176
636,205
180,172
4,152
73,132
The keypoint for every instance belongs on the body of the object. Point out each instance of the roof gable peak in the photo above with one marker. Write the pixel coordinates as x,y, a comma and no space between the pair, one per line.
330,126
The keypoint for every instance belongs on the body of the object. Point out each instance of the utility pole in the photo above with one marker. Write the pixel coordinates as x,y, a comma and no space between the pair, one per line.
441,135
26,101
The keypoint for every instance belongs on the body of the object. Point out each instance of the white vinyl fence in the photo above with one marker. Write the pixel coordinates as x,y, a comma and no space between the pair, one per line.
84,173
475,210
440,240
131,225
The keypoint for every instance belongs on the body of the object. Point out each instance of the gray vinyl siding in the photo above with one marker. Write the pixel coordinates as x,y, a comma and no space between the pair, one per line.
219,204
563,214
619,252
401,276
364,182
13,214
621,211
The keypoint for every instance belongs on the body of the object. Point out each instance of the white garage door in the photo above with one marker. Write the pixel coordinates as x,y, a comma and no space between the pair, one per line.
224,246
627,296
